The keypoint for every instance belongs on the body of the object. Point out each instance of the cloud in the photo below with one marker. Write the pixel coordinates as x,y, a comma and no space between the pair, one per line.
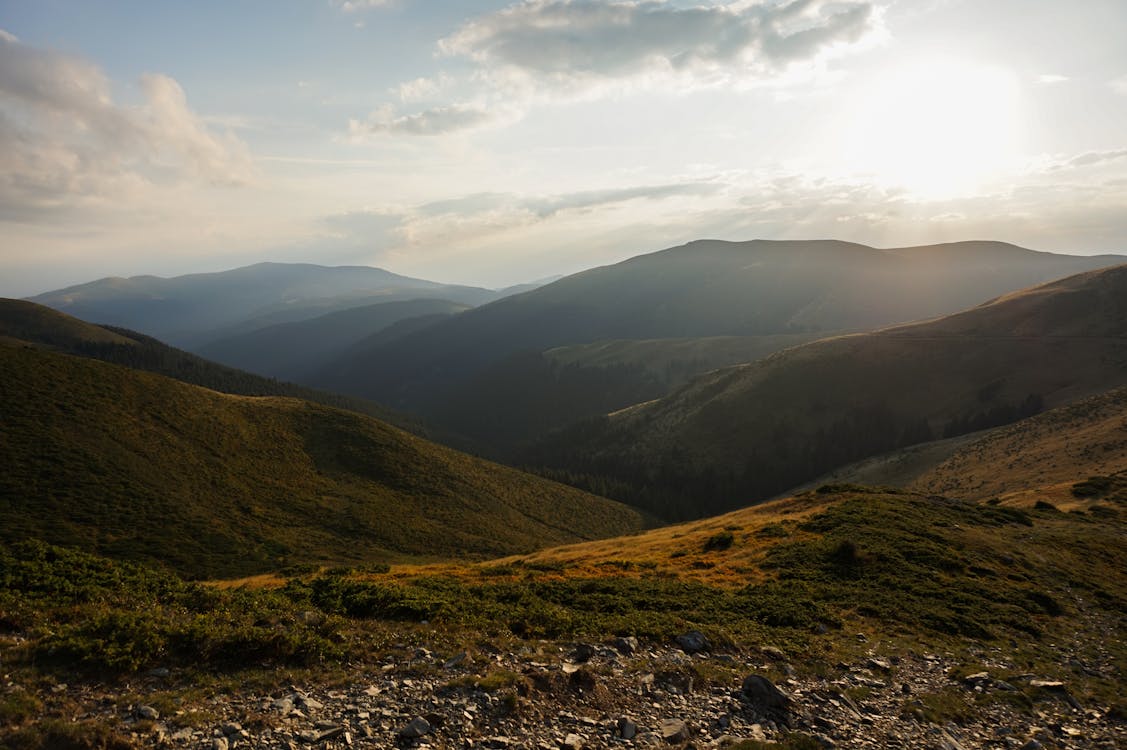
354,6
1049,79
64,141
482,214
1089,159
551,50
591,199
1119,85
435,121
592,40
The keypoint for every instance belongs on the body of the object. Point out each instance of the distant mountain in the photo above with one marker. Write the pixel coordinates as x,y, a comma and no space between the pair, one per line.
26,322
452,372
742,434
138,466
194,309
291,350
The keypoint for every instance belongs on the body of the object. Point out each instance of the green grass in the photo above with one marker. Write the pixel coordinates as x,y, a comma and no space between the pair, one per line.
137,466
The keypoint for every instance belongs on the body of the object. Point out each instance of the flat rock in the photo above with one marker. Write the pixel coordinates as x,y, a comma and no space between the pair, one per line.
674,730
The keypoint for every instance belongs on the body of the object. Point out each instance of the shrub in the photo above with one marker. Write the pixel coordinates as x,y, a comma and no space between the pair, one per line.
720,541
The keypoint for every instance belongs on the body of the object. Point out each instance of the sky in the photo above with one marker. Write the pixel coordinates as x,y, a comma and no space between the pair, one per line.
491,142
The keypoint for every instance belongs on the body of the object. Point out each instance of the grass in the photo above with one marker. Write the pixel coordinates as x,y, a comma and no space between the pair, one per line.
907,566
58,734
137,466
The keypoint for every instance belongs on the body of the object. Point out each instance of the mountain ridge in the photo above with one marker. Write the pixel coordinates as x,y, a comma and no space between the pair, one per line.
707,288
753,430
189,309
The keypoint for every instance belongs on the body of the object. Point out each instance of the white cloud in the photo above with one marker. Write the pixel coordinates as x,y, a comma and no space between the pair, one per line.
545,50
590,40
1049,79
421,89
64,142
481,214
1087,159
435,121
1119,85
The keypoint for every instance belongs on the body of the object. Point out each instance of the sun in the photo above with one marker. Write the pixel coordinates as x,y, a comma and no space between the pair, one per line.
937,129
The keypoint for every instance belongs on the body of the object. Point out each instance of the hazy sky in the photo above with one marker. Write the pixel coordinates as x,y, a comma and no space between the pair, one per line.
497,142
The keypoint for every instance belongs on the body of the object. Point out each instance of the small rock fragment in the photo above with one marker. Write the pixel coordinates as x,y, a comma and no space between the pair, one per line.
457,660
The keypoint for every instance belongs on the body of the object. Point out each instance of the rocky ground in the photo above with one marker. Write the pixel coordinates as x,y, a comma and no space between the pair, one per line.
617,694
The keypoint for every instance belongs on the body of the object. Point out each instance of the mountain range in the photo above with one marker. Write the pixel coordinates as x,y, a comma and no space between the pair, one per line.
192,310
496,374
685,382
742,434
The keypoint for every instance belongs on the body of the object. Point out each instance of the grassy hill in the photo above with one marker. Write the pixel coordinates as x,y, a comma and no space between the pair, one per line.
745,433
138,466
1036,459
447,372
28,322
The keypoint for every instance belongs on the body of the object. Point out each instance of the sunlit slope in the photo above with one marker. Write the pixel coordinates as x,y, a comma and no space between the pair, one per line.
1039,458
139,466
895,564
745,433
28,321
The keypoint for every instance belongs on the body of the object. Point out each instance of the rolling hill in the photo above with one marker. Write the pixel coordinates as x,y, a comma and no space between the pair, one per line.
745,433
138,466
290,350
449,372
28,322
197,308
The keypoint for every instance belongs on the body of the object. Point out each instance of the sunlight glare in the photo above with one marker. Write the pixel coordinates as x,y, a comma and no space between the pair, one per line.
939,129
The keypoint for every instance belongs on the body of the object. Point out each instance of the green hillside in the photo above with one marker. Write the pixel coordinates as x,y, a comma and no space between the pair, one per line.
138,466
29,322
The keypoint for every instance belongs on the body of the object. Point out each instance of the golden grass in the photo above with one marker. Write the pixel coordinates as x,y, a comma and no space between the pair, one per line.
677,551
1038,458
